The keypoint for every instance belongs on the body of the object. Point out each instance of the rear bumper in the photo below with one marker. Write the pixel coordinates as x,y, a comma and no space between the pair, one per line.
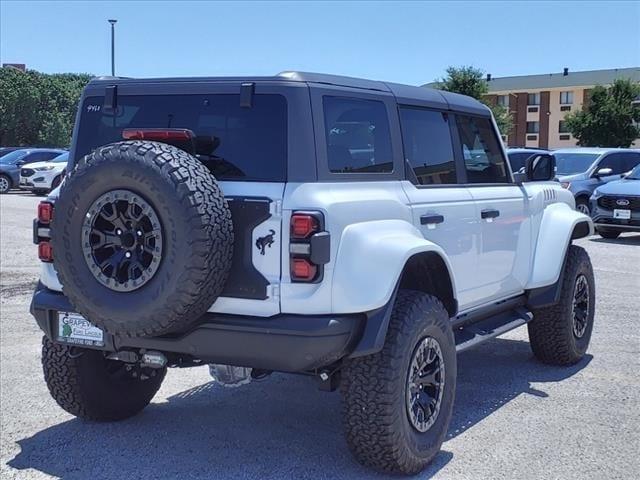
290,343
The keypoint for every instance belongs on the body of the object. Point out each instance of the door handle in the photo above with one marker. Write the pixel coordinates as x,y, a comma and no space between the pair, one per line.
431,219
490,213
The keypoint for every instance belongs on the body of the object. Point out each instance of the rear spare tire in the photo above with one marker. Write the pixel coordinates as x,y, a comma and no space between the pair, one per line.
142,238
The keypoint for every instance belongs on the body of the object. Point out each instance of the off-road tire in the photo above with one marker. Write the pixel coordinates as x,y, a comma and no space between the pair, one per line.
197,238
80,383
6,183
551,333
610,234
376,422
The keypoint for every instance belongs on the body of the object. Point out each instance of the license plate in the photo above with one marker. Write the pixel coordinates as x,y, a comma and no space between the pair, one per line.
74,328
622,214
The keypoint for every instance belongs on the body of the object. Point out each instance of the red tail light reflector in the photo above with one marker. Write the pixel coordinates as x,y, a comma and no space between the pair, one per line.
303,225
302,269
45,212
158,134
45,252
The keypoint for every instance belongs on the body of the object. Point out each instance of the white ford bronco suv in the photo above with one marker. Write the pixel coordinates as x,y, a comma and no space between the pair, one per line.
358,231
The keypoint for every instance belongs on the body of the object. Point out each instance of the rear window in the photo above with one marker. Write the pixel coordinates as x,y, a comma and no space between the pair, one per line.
249,143
358,135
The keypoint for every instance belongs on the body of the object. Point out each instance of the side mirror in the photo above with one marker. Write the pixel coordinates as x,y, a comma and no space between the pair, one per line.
603,172
540,168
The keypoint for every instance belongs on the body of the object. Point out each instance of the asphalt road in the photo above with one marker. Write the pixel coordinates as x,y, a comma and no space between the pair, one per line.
514,418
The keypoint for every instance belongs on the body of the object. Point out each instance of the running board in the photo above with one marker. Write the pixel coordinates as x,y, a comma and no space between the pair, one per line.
492,327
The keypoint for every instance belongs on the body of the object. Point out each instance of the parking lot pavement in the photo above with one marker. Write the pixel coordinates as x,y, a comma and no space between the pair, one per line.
514,418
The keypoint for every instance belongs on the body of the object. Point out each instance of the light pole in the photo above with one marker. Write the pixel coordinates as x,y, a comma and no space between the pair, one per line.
113,46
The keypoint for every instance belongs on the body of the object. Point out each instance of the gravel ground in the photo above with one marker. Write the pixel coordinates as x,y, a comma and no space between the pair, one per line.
514,418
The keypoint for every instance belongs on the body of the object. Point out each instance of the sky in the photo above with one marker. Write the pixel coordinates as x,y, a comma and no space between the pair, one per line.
406,42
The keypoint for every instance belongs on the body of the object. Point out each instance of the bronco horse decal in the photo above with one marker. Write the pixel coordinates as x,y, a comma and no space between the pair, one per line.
266,241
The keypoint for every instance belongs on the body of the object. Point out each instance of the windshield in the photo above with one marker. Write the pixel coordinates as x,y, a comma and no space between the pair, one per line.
61,158
635,173
571,163
13,157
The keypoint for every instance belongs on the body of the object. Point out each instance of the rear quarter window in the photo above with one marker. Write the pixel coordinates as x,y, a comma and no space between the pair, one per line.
358,135
248,143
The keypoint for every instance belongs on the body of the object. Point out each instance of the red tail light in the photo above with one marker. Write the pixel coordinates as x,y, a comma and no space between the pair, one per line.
157,134
45,212
303,270
45,252
303,225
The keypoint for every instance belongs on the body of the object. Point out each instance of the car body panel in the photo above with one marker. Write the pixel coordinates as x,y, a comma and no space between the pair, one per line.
554,236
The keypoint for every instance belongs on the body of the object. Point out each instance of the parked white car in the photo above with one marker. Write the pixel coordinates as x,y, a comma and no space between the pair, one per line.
42,177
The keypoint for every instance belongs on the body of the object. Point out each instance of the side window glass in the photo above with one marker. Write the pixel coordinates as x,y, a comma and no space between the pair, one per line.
632,160
427,145
483,158
357,135
616,162
32,157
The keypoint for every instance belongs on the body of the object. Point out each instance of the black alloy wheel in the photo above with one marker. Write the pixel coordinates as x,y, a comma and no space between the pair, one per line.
425,384
122,240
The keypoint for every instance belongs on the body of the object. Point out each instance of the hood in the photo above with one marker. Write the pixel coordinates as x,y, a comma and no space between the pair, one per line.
57,166
619,187
572,178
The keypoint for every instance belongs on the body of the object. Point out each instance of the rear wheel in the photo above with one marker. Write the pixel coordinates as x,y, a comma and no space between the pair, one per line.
88,385
612,234
397,403
5,183
560,334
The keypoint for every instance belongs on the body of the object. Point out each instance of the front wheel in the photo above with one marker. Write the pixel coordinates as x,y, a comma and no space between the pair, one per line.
5,184
88,385
582,206
397,403
560,334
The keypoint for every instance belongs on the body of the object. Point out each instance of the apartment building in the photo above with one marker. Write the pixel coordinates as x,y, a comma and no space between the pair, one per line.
539,103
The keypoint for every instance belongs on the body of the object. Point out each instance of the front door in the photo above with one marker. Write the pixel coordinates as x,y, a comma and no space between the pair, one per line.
502,210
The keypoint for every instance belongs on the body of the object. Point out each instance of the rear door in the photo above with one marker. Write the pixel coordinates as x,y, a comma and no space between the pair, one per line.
246,146
502,210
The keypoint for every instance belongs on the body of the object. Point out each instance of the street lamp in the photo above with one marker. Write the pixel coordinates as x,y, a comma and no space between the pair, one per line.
113,55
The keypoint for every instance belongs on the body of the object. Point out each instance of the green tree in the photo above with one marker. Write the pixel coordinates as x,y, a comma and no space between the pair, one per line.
38,109
607,120
471,81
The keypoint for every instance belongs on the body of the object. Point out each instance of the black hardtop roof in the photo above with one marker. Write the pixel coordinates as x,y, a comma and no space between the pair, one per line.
405,94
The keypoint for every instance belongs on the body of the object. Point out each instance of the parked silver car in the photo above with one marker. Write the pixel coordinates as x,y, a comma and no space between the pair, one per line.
11,163
582,170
